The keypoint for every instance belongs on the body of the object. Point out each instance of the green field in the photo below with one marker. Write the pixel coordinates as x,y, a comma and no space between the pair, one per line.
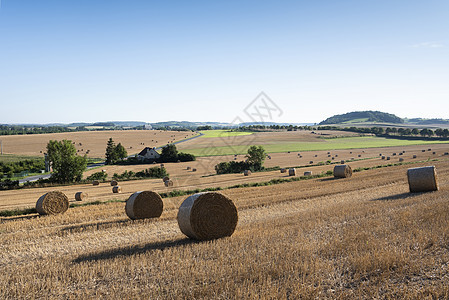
331,144
7,158
222,133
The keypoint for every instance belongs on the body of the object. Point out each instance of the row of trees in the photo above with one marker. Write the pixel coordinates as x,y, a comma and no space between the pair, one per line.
27,165
254,162
443,133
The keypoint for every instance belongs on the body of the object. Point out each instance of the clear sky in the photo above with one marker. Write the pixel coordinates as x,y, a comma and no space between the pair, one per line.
91,60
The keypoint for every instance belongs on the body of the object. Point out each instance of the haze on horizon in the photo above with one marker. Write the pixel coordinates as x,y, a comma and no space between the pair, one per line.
151,61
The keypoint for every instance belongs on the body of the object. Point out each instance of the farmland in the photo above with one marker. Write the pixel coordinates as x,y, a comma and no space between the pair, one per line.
360,237
364,237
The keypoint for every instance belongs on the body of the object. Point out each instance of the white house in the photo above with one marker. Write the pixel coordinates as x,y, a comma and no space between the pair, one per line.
148,153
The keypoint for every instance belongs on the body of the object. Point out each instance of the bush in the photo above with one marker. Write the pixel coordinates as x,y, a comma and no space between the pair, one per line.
186,157
98,176
236,167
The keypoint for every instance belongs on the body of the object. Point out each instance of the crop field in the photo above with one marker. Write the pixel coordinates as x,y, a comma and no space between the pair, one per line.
222,133
275,142
361,237
92,143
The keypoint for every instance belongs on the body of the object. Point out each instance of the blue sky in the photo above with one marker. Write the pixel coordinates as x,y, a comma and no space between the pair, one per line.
86,60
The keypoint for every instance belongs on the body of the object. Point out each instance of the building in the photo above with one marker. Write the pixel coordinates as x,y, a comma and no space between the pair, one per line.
148,154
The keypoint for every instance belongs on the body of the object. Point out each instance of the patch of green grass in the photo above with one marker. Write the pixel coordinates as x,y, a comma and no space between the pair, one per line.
321,145
7,158
222,133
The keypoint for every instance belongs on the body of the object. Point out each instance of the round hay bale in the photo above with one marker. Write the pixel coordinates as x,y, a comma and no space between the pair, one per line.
143,205
168,183
383,157
336,155
394,154
429,149
388,158
342,171
423,150
116,189
165,179
446,153
400,153
247,172
292,172
114,183
434,153
316,155
80,196
329,155
423,179
380,154
360,155
311,162
95,182
342,162
52,203
193,170
308,173
207,216
414,156
188,168
162,165
401,159
283,170
333,158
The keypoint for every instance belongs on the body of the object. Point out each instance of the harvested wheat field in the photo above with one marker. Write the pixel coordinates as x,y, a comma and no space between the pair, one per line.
93,143
359,237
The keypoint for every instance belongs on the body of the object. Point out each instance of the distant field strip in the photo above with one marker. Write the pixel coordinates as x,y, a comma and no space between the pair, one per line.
325,144
222,133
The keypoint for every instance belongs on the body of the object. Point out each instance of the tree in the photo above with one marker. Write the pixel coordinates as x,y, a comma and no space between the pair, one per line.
256,156
415,131
110,152
67,166
445,133
169,153
120,152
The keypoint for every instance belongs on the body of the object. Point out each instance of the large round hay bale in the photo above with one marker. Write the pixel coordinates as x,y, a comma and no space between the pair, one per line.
80,196
423,179
308,173
52,203
116,189
168,183
114,183
206,216
342,171
143,205
165,178
95,182
247,172
292,172
283,170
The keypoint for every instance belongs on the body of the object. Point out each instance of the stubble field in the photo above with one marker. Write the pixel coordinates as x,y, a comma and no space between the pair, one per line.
362,237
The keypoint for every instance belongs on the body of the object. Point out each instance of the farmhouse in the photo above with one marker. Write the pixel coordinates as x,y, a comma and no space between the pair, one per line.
148,154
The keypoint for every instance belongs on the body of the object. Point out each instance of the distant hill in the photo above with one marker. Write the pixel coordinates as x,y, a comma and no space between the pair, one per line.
420,121
363,117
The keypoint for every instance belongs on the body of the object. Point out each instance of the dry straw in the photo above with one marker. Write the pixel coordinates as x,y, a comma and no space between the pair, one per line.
116,189
52,203
95,182
206,216
292,172
247,172
143,205
114,183
422,179
80,196
342,171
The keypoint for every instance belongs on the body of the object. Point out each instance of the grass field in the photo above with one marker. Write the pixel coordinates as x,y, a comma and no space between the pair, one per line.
320,145
359,238
222,133
6,158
